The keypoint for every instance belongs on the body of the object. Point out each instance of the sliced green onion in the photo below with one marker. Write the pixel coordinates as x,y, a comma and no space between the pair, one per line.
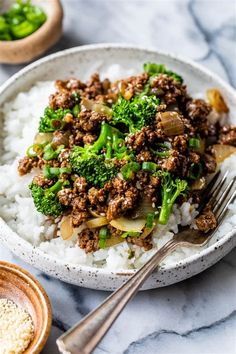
129,170
195,171
131,234
52,172
150,220
194,143
34,149
30,151
103,236
131,254
76,110
50,153
21,20
162,153
76,96
23,29
149,166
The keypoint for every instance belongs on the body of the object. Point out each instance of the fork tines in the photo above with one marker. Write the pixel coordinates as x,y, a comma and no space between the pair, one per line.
220,194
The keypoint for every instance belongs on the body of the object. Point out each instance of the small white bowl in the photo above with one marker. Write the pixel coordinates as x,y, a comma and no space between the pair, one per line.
81,62
26,49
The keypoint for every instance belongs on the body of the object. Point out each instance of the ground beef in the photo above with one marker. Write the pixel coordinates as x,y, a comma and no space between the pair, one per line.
206,221
142,179
80,185
175,163
146,243
150,190
66,196
76,138
123,197
26,165
131,86
89,138
146,136
88,240
96,196
90,121
170,90
180,143
136,141
228,135
194,157
144,155
80,211
42,181
171,163
61,99
198,109
96,87
64,156
97,199
209,163
72,85
60,138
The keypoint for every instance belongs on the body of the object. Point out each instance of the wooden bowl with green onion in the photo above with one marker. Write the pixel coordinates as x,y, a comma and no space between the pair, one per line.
24,38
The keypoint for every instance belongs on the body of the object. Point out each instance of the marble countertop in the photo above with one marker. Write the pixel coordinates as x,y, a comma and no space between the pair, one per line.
199,314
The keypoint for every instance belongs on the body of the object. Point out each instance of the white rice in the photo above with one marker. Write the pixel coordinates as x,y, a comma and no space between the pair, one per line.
17,208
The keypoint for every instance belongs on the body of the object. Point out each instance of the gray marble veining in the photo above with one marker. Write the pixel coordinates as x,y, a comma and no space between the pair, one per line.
197,315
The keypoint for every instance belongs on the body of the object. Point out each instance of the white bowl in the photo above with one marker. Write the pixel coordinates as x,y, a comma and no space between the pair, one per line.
81,61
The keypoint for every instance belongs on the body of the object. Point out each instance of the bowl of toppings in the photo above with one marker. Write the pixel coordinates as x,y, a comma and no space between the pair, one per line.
25,311
27,29
103,160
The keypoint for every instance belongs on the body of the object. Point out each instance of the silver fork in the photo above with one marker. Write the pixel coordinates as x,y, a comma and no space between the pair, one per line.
84,336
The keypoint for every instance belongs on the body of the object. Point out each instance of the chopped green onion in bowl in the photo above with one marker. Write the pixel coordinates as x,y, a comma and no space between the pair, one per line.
21,20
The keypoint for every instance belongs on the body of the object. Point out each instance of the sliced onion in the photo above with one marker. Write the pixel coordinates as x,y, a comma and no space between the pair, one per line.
94,213
66,228
42,138
199,184
114,240
79,229
147,231
172,123
217,101
87,104
96,222
125,224
102,108
143,209
223,151
202,146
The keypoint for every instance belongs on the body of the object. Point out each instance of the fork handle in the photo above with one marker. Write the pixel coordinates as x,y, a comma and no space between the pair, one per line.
85,335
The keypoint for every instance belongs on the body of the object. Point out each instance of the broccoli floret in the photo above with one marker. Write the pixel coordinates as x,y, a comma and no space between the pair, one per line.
52,120
46,200
153,69
136,113
170,190
95,169
94,162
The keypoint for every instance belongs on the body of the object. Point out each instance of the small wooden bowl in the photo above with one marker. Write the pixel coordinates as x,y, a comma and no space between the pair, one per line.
21,287
26,49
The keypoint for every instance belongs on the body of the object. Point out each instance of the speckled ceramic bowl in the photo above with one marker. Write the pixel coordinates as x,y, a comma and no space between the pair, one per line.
81,61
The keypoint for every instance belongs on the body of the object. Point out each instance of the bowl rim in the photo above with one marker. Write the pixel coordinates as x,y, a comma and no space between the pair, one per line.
25,245
29,279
